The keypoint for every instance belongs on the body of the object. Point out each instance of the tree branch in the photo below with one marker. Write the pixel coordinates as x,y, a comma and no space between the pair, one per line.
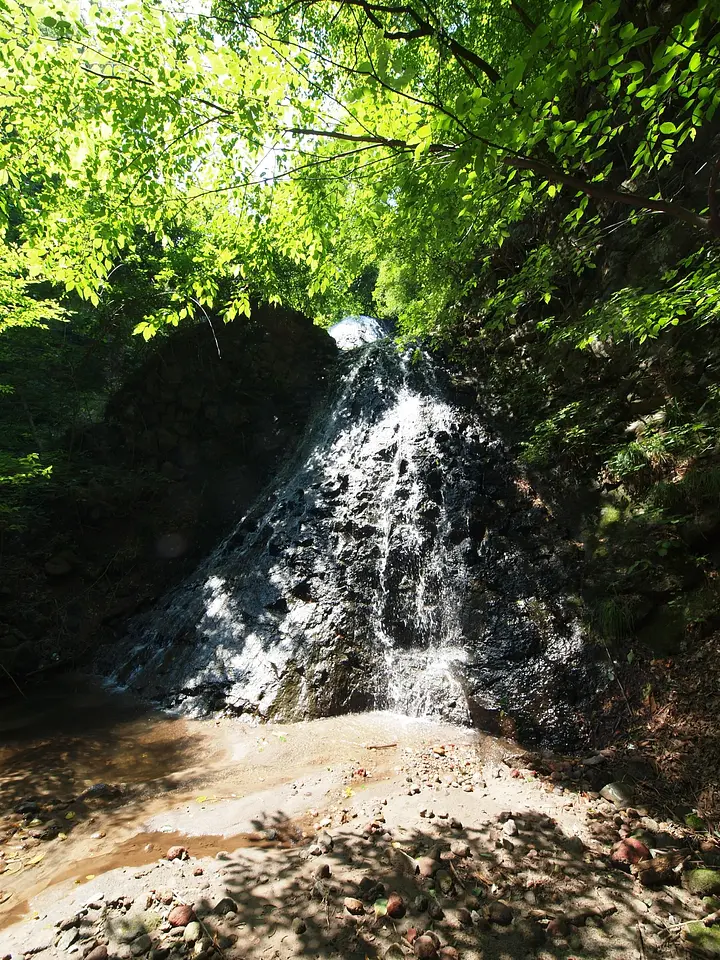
369,138
525,18
599,192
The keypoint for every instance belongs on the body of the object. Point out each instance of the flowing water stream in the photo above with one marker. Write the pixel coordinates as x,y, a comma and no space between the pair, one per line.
398,562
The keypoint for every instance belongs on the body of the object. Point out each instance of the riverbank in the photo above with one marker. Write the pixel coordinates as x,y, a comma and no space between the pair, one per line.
360,836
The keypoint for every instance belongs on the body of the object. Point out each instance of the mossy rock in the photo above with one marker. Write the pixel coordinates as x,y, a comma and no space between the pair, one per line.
701,939
695,822
703,881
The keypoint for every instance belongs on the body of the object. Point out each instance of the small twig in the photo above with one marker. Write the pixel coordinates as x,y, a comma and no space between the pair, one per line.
17,685
380,746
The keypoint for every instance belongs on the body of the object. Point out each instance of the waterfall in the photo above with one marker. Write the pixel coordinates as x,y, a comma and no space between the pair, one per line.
395,563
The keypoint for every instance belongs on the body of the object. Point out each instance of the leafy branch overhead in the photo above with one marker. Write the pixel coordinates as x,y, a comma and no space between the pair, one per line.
324,134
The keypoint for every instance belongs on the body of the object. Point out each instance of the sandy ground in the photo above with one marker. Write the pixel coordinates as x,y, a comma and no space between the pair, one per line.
445,829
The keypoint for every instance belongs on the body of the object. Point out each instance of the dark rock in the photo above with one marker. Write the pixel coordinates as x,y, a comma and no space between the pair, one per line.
500,913
322,871
141,944
298,925
395,906
226,905
434,910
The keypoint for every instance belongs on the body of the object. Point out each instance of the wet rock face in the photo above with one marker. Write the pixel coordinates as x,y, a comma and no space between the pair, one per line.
399,562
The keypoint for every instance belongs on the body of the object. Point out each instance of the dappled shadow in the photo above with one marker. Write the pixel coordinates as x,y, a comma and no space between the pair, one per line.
497,903
71,749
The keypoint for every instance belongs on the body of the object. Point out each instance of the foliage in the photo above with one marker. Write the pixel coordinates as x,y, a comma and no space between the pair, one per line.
327,137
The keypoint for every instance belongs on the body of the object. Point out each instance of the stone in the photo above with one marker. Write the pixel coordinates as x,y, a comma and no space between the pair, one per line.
396,906
627,852
420,904
500,913
460,848
141,945
193,932
427,866
444,881
298,925
434,910
464,917
448,953
321,871
67,939
703,940
99,952
353,906
621,794
226,905
424,948
181,915
574,846
703,882
177,853
510,828
126,929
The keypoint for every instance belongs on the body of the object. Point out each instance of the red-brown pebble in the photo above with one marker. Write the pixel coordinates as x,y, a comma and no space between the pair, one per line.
424,948
177,853
629,851
395,906
181,915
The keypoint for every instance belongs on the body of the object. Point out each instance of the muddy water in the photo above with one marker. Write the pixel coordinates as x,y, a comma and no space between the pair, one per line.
209,785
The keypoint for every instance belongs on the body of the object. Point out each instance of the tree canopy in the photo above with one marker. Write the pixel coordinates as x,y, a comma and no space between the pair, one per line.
282,147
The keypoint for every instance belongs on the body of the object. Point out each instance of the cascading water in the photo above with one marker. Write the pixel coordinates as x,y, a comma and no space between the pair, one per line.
396,563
